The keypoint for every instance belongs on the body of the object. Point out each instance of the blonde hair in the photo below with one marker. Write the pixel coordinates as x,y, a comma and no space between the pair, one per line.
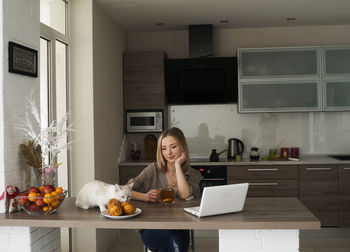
180,139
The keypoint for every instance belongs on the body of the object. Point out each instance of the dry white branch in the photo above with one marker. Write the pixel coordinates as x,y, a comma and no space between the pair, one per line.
52,139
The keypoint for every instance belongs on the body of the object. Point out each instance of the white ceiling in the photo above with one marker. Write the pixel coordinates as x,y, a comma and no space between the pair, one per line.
142,15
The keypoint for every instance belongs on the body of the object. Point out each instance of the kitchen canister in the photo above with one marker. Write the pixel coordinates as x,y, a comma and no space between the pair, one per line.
285,153
294,152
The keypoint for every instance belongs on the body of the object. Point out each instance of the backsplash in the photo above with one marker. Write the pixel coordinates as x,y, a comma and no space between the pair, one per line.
209,127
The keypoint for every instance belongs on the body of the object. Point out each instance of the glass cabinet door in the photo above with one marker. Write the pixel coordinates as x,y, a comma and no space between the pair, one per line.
336,61
336,95
280,96
279,62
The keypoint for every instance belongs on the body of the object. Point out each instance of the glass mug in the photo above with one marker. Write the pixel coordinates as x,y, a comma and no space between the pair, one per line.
167,195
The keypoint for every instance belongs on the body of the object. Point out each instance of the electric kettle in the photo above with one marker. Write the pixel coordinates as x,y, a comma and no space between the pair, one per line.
235,147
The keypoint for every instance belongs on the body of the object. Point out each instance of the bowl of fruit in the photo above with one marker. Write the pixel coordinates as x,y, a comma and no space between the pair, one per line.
41,201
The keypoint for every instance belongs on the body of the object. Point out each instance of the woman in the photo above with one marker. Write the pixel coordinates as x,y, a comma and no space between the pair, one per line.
171,170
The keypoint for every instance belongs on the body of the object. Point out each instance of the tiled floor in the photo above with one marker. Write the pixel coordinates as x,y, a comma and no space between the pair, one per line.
324,240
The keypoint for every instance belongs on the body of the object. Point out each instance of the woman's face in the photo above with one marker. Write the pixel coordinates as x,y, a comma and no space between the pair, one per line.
171,150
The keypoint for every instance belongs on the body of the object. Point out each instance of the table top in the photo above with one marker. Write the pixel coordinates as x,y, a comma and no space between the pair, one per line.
258,213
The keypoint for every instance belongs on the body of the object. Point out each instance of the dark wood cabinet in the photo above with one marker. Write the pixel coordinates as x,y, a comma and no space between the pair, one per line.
128,172
318,191
267,180
344,196
144,80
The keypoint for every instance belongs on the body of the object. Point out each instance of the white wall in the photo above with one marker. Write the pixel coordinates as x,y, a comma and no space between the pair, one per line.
20,23
314,133
109,43
81,106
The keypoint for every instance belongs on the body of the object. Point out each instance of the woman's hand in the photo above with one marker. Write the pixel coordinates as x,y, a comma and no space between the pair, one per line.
152,196
181,159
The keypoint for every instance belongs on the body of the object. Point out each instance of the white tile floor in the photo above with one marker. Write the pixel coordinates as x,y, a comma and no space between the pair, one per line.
324,240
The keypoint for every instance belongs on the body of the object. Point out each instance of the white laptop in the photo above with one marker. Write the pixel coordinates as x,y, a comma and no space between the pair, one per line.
220,200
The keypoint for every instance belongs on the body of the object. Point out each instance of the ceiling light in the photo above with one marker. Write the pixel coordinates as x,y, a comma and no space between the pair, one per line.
224,21
160,24
290,18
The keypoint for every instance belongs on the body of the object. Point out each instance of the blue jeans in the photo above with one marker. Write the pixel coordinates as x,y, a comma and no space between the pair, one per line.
164,240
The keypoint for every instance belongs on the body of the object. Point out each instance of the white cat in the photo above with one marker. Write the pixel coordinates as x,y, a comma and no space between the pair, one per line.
98,193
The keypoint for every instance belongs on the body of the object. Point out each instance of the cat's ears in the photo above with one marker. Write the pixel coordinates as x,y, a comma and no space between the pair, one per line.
130,183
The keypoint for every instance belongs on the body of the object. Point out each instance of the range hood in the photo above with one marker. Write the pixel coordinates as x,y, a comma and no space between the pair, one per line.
201,79
200,40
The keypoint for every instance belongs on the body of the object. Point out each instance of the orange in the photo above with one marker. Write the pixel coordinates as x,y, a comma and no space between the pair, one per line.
33,194
54,194
41,189
47,208
47,198
59,189
55,203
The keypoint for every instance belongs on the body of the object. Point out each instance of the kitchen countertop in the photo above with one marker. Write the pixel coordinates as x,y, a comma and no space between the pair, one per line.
258,213
304,160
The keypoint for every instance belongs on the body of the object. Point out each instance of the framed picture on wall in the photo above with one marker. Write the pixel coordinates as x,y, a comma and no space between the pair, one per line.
23,60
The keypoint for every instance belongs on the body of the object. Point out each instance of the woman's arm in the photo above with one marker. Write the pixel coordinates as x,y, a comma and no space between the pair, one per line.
150,196
182,185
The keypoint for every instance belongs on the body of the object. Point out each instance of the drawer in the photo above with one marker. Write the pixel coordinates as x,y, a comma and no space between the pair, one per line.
262,172
270,188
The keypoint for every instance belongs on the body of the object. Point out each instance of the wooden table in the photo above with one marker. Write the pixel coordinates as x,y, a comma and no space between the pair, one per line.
272,213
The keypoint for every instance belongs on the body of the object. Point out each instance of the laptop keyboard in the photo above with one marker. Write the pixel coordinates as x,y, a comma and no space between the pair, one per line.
194,208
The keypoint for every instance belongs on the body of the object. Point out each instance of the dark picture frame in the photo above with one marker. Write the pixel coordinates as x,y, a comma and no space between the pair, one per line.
23,60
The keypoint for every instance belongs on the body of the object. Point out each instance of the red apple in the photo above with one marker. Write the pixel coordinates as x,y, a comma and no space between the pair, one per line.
40,202
48,189
33,189
34,208
23,200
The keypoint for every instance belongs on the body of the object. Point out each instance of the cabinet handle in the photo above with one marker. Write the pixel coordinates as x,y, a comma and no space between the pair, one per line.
319,169
263,184
263,169
346,168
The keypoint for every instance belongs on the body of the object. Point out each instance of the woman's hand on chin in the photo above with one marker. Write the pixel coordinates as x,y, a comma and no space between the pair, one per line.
181,159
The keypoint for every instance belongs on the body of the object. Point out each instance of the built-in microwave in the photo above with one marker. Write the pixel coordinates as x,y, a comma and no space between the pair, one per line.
144,121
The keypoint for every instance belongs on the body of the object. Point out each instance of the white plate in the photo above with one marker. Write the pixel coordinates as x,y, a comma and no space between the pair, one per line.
106,214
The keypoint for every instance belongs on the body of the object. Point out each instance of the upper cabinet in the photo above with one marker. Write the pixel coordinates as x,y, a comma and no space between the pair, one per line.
294,79
144,80
279,63
279,79
336,78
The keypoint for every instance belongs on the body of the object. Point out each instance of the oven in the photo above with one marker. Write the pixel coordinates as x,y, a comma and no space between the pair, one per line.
212,175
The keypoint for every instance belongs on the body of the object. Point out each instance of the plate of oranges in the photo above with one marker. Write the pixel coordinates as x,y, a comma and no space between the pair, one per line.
117,210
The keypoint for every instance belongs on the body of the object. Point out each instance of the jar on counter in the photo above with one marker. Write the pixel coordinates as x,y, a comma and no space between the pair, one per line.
135,153
285,153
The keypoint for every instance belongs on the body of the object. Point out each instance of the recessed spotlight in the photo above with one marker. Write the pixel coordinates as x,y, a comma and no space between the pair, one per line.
290,18
160,24
224,21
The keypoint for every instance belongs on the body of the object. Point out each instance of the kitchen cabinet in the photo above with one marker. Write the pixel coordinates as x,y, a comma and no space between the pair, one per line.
336,61
336,95
336,77
279,79
318,189
144,80
279,62
128,172
272,96
266,180
344,196
143,84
